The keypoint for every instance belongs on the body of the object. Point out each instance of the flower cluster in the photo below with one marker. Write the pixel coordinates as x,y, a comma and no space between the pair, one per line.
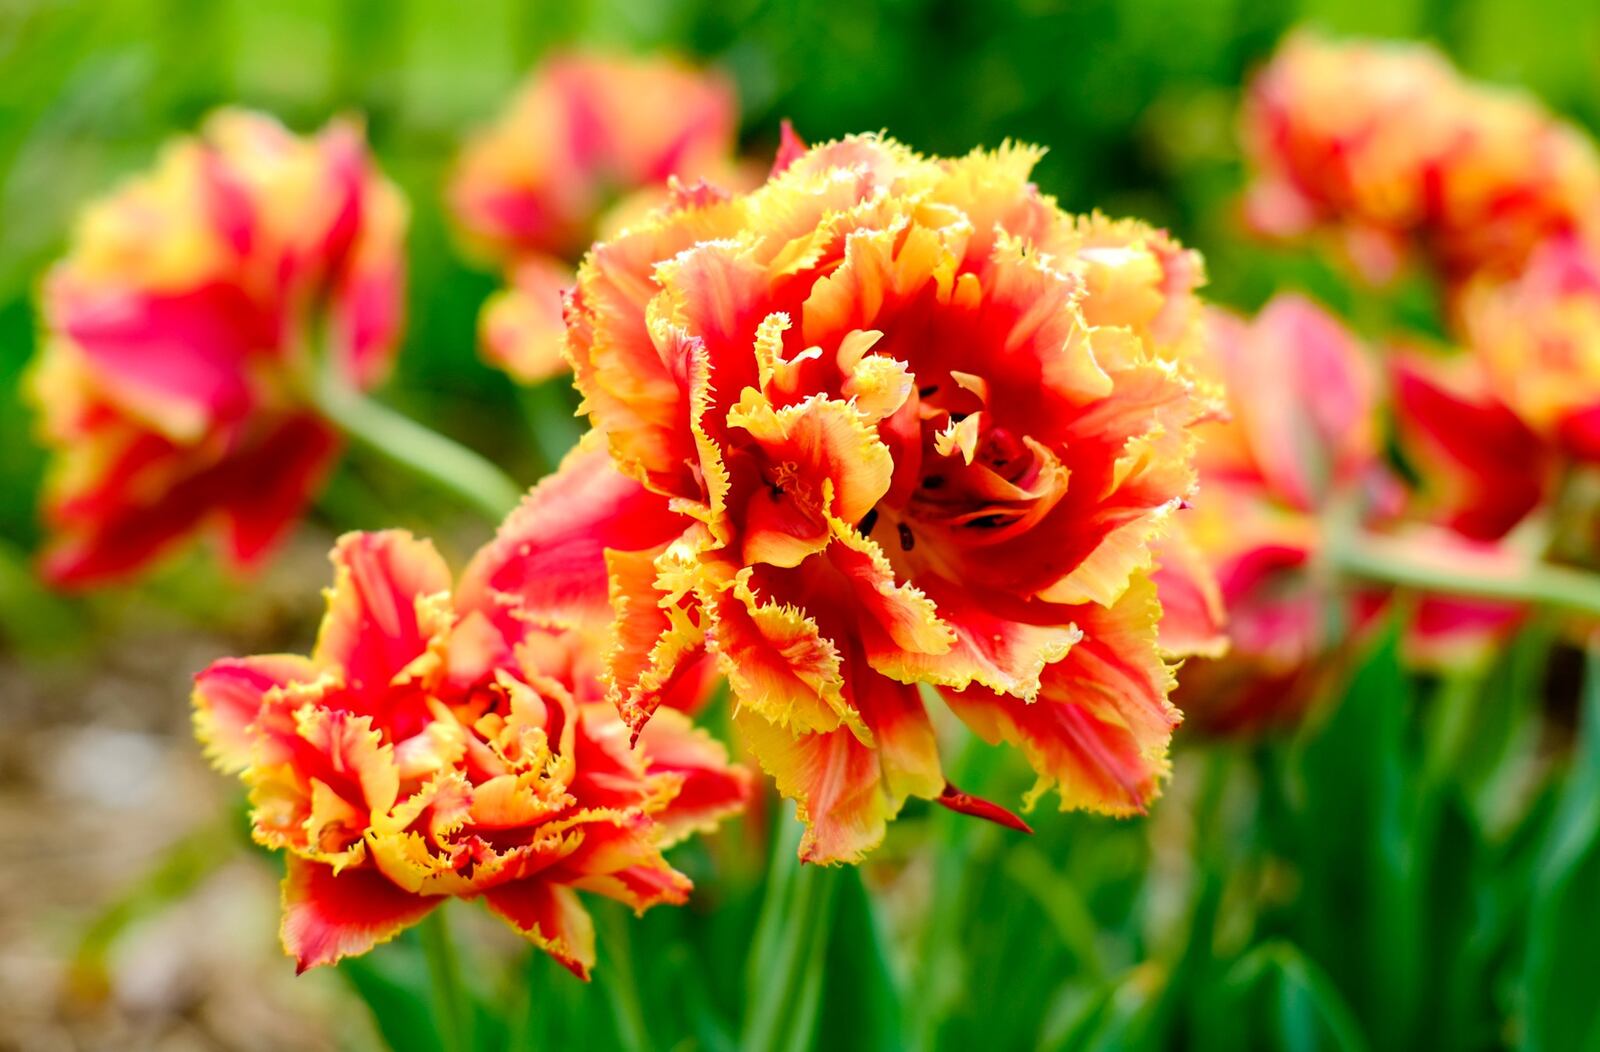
917,426
1385,144
437,745
589,141
180,339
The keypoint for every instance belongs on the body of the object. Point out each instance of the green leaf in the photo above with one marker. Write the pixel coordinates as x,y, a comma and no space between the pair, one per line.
1359,915
1308,1011
1560,1010
393,982
863,998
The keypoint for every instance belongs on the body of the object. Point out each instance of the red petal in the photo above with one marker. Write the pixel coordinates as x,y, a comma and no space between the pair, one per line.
978,807
548,557
374,628
328,916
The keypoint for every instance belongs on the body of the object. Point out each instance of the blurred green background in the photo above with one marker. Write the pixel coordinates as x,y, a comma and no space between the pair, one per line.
1418,868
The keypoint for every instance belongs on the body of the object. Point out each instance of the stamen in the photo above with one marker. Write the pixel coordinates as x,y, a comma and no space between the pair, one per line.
869,520
906,539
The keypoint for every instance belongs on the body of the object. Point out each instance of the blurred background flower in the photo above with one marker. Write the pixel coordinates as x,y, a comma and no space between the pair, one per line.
184,330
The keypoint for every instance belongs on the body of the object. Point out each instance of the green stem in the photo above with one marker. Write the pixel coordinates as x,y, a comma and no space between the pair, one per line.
1414,564
407,443
787,954
618,983
450,1004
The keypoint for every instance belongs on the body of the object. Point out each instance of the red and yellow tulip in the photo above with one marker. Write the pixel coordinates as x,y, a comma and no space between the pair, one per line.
917,426
1386,145
1302,435
585,130
589,142
437,745
179,334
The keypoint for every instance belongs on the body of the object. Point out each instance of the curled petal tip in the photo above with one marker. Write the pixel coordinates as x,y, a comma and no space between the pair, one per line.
976,806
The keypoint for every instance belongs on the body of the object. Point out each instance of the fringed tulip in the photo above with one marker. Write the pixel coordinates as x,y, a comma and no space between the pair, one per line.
915,425
583,131
434,746
589,142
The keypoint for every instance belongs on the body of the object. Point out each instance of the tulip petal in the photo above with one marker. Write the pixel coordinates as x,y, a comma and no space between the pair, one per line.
547,559
778,663
1000,643
552,916
328,916
379,620
712,788
228,696
1100,728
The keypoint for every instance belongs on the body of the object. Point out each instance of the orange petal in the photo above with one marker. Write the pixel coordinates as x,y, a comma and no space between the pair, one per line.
778,663
657,645
521,329
1102,723
833,779
846,792
802,444
1000,643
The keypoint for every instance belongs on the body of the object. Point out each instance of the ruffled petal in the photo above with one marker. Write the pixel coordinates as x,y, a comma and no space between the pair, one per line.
711,789
380,618
327,916
228,696
552,916
779,664
846,792
1100,728
547,559
1000,642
